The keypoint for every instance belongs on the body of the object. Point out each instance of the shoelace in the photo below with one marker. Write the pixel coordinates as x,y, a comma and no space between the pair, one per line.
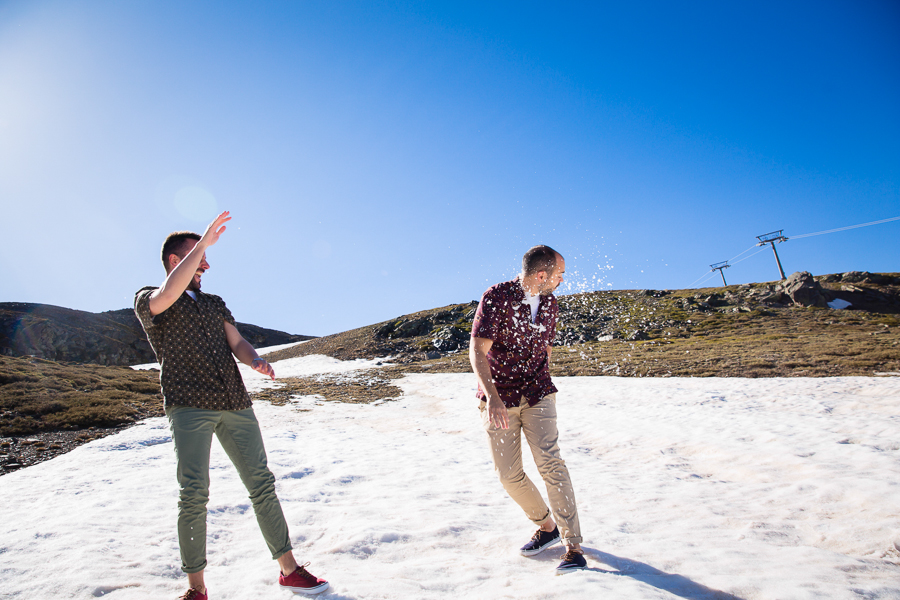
302,572
570,555
191,593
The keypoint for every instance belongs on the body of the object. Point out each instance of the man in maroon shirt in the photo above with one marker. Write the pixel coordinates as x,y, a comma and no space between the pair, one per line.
512,338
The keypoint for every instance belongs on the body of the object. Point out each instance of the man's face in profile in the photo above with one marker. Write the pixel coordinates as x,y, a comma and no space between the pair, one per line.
549,285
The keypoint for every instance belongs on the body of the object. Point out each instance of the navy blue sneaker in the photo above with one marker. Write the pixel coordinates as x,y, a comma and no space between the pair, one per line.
540,541
572,560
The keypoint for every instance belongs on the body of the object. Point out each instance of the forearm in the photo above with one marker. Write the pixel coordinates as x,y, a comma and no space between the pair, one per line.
180,277
496,410
244,352
482,369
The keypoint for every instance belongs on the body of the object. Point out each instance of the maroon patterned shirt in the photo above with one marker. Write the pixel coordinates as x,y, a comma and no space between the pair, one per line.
518,356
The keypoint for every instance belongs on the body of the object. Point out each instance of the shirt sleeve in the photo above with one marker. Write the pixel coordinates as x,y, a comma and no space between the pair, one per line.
142,307
486,322
554,319
226,313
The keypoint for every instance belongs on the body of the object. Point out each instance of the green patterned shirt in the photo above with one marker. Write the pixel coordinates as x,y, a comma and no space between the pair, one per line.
196,365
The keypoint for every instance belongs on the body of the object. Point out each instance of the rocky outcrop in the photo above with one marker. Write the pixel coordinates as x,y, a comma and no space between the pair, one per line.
109,338
866,277
804,290
450,338
405,328
445,337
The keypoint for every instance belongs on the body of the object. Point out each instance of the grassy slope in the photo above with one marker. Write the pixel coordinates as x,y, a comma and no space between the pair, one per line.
711,332
39,395
723,332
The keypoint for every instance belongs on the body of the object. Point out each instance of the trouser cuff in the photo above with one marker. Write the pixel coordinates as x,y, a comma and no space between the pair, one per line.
282,552
542,519
194,569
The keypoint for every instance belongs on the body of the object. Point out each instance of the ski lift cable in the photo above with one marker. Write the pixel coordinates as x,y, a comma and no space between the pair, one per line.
796,237
745,251
733,261
702,279
709,276
763,249
729,261
705,274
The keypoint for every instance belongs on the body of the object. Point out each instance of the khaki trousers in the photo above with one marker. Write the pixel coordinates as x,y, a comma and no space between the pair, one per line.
538,422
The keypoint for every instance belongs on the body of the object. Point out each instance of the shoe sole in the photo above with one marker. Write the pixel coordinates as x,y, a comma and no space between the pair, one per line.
312,591
539,550
569,570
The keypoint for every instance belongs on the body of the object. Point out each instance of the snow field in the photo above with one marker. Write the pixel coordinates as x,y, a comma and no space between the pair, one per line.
687,488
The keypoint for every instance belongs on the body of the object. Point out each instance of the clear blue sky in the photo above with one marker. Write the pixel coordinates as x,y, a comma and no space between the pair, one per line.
383,158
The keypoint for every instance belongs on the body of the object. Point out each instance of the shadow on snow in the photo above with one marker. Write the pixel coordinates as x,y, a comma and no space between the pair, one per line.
675,584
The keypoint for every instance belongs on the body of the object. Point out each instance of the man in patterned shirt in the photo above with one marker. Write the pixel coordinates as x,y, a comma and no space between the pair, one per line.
195,340
512,337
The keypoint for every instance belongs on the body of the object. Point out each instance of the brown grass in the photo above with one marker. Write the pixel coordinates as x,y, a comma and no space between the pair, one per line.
682,339
679,334
39,395
783,342
793,342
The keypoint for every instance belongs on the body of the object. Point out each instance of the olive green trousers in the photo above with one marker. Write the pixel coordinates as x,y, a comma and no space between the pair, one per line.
238,432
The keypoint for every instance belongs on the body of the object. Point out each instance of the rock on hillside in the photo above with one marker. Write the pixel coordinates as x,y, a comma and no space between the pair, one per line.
762,329
108,338
652,314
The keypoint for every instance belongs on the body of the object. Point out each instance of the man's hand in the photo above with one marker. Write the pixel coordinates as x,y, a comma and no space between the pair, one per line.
214,230
260,365
179,277
497,413
244,352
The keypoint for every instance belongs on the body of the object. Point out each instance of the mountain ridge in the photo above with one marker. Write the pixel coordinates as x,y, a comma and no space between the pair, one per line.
108,338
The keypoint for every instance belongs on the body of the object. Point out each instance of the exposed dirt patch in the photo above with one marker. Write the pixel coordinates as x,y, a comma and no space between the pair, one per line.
19,452
360,387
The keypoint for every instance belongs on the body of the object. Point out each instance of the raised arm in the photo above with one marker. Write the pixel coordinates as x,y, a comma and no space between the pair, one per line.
245,353
497,412
180,276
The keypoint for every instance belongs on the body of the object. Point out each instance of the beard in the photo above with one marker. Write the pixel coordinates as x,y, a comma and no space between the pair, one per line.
548,290
194,285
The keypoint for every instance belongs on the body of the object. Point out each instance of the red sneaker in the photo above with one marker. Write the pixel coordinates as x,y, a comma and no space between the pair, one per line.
193,594
302,581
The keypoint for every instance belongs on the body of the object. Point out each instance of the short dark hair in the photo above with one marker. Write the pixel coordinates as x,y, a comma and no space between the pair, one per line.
174,244
540,258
